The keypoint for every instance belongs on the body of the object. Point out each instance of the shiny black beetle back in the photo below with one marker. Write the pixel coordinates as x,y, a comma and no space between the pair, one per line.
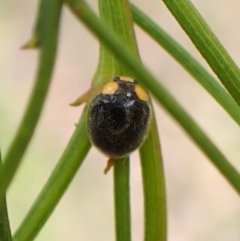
118,118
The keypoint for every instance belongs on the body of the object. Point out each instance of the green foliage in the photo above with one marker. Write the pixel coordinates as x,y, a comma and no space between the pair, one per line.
208,45
119,56
5,232
57,184
188,63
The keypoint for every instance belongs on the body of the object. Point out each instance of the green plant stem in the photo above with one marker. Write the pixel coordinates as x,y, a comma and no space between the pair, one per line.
188,62
47,25
57,184
153,187
117,15
208,45
5,231
122,199
83,12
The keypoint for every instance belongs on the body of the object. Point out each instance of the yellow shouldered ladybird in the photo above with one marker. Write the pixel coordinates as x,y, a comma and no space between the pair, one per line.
118,118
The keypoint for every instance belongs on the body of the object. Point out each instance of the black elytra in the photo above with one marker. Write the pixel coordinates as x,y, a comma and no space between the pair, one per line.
118,117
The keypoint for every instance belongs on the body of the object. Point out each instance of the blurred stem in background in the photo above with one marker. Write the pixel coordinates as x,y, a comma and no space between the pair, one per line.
62,175
45,37
5,231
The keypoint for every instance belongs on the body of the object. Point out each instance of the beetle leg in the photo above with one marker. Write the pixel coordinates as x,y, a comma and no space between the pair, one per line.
110,163
83,98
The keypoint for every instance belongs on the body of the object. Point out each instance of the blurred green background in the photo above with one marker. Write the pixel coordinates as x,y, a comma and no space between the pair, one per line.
201,204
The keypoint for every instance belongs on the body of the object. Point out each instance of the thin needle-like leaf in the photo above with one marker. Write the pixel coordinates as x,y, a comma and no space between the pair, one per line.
207,44
188,62
155,210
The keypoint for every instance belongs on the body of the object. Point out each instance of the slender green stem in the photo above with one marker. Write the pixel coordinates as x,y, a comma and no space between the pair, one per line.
117,16
122,200
153,187
188,62
57,184
208,45
5,231
48,22
83,12
108,65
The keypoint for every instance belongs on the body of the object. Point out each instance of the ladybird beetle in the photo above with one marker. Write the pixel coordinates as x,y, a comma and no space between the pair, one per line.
118,118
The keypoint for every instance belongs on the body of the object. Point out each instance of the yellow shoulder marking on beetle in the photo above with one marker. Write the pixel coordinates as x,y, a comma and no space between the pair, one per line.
110,88
126,78
142,95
